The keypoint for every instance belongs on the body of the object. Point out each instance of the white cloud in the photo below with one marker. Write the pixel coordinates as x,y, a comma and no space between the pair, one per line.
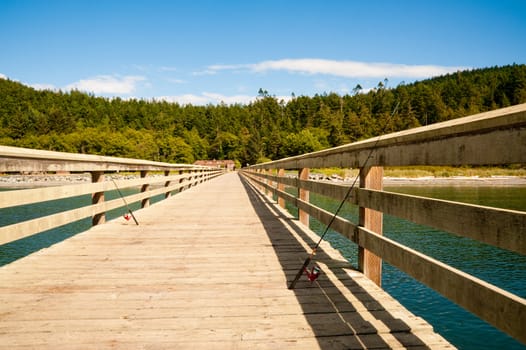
183,99
153,68
141,67
107,84
346,69
167,69
218,67
213,98
176,81
34,86
44,87
207,98
209,71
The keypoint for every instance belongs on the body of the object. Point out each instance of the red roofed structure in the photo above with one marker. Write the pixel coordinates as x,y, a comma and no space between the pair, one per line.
229,165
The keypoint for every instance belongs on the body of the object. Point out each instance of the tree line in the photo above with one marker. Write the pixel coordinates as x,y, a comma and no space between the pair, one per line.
265,129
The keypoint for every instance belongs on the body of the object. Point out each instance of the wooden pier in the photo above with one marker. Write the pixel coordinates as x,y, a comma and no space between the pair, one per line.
206,269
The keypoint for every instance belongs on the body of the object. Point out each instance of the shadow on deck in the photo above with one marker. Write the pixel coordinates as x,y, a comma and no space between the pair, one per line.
339,310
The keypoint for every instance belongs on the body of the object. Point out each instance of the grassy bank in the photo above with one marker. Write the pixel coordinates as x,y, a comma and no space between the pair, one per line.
431,171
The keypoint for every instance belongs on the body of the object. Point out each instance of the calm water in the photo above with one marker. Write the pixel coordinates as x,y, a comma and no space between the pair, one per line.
504,269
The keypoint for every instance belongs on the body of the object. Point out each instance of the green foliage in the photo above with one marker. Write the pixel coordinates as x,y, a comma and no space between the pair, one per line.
303,142
262,130
263,160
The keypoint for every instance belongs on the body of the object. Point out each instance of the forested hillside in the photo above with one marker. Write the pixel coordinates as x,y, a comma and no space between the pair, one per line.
264,129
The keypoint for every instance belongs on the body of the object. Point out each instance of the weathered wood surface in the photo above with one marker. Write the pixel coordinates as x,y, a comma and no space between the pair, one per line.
207,268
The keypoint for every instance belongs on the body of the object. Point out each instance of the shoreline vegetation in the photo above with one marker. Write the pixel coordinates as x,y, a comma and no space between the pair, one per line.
435,176
421,176
267,128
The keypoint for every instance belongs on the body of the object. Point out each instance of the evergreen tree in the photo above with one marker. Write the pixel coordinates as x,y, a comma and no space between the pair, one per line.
264,129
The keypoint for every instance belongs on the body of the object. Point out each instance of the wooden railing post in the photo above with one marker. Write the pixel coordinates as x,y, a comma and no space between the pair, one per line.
167,183
146,201
267,181
369,263
281,187
197,177
181,180
190,177
97,198
271,183
258,171
303,174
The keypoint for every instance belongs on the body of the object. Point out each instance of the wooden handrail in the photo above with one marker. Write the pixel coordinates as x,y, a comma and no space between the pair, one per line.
27,160
16,159
492,138
36,195
501,228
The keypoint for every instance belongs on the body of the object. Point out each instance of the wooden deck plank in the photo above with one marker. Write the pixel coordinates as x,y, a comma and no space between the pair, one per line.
207,268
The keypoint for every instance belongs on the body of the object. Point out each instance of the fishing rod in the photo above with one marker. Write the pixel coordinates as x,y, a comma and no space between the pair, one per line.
310,274
125,203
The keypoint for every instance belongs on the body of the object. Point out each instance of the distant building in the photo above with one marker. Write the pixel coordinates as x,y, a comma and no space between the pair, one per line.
229,165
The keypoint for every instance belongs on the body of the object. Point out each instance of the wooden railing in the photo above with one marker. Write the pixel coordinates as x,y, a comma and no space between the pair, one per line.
166,178
493,138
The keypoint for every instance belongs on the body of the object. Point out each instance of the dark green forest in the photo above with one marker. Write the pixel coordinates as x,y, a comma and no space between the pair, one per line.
265,129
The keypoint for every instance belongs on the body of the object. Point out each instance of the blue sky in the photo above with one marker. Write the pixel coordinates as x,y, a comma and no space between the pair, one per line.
211,51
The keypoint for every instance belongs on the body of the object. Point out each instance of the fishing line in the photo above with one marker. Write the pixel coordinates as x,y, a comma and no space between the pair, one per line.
125,203
340,316
307,261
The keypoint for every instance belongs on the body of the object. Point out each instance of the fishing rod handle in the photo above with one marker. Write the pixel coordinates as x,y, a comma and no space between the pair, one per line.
300,272
133,216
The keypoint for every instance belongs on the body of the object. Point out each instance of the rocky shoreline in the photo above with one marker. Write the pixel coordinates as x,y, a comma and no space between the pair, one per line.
30,181
471,181
435,181
11,181
48,180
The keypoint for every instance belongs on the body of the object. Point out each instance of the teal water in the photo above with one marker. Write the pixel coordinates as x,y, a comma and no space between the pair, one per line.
502,268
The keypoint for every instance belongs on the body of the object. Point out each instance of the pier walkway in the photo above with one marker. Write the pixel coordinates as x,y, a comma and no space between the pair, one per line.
205,269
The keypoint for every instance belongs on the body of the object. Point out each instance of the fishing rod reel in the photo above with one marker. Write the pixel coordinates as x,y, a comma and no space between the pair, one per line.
313,274
129,214
315,271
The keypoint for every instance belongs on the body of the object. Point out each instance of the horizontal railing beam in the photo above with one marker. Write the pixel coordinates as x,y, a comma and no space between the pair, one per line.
16,159
36,195
498,227
28,228
501,228
504,310
339,224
